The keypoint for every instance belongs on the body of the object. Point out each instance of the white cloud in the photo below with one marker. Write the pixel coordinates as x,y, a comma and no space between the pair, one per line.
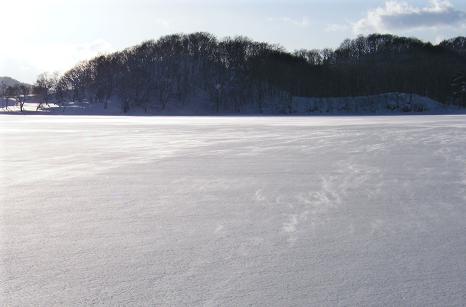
302,22
398,16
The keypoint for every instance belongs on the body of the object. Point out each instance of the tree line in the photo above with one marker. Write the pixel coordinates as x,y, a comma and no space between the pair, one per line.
241,75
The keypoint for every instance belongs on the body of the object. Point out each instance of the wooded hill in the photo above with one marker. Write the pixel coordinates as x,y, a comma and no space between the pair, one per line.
237,74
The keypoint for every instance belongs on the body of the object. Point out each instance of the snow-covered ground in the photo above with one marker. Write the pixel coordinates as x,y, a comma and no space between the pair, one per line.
233,211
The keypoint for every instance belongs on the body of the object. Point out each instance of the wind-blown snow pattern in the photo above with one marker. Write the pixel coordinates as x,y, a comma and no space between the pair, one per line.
233,211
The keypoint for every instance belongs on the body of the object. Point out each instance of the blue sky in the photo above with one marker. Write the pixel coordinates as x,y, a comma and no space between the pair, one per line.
52,35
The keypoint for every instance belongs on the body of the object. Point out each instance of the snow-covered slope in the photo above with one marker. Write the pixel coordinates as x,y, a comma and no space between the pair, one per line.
229,211
388,103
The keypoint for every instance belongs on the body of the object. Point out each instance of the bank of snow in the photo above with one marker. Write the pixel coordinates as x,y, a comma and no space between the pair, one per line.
389,103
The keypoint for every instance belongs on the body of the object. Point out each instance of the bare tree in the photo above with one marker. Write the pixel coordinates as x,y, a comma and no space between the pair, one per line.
22,92
44,87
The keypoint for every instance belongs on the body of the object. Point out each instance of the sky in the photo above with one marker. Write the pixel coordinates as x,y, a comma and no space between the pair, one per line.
53,35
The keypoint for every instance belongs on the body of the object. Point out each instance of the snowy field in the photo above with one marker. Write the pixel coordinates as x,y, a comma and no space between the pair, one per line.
232,211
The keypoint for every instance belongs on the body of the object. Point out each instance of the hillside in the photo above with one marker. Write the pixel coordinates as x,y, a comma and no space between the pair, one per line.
237,75
200,74
8,81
